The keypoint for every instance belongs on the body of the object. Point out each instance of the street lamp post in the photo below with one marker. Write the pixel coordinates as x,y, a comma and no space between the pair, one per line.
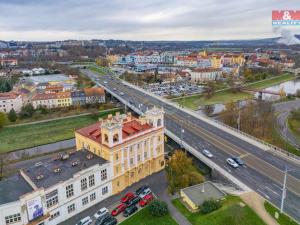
284,188
181,137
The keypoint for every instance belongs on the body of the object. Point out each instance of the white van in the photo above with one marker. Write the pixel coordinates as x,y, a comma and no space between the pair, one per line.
85,221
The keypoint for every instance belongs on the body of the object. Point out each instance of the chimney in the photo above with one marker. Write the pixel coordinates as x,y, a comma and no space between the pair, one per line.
129,116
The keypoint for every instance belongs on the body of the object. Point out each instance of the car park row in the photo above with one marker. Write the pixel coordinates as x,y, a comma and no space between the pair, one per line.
129,204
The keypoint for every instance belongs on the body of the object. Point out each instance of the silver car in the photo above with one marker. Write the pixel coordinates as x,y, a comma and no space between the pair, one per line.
232,163
207,153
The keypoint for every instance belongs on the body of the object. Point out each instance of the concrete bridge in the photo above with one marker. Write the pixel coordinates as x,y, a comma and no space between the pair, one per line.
265,164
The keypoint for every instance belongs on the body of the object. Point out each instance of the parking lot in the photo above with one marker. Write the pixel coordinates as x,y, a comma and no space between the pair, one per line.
174,88
156,182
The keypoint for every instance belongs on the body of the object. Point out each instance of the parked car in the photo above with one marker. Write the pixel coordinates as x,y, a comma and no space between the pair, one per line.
133,201
145,192
101,212
141,189
115,89
121,93
232,163
207,153
144,201
111,221
85,221
120,208
105,82
127,197
103,218
238,161
130,210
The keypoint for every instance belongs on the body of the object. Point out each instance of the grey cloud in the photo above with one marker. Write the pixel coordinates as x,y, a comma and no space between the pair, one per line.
205,19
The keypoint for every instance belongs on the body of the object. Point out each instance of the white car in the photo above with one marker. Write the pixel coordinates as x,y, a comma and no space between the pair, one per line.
232,163
207,153
121,93
105,82
85,221
145,192
101,212
115,89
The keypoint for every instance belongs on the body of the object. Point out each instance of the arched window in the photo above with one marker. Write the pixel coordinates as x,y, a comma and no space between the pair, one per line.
116,138
105,137
159,122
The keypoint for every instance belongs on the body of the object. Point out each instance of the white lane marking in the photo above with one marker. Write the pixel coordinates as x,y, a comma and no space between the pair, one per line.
276,185
261,192
272,191
227,169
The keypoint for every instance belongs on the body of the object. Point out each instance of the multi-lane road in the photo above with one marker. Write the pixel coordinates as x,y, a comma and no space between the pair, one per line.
264,171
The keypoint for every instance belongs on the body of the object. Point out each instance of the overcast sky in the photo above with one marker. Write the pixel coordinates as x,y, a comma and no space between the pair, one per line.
139,19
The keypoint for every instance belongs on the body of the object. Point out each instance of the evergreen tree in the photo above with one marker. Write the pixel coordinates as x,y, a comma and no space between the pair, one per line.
12,116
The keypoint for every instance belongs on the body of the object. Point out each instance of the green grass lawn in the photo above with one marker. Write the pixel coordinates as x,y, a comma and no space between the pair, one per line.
226,96
231,213
26,136
271,82
99,69
282,219
144,217
294,126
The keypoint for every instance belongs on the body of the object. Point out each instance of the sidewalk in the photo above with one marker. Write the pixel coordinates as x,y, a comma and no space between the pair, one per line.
256,203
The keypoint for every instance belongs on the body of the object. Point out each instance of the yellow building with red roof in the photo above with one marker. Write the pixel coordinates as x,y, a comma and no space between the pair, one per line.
133,146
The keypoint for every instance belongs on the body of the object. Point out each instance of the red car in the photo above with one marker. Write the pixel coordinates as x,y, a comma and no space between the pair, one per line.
120,208
148,198
127,197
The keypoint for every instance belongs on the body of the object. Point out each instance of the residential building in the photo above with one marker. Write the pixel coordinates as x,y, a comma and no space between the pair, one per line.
50,192
133,146
203,61
205,74
187,61
94,95
10,100
216,62
8,62
48,100
64,99
78,97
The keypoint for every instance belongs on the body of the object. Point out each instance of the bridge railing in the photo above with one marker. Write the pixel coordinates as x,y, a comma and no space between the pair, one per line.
273,148
264,145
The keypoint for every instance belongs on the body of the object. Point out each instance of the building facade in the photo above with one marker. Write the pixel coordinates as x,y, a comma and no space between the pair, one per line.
55,190
205,74
9,101
134,146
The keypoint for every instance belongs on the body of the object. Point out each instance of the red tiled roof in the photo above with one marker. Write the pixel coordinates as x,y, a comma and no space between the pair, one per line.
130,128
94,91
8,95
43,96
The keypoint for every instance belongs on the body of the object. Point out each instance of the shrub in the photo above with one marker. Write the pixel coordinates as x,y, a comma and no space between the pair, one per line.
12,116
210,206
158,208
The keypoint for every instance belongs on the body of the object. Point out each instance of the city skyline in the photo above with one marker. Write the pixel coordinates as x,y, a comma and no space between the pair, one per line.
156,20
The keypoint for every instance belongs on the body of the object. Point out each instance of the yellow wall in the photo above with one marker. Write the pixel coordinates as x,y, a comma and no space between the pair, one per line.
125,175
188,201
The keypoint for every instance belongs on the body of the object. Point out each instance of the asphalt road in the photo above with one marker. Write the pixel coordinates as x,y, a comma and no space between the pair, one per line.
283,110
263,171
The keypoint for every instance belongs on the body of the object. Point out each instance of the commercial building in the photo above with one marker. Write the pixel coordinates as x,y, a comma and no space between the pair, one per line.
10,100
133,146
52,191
205,74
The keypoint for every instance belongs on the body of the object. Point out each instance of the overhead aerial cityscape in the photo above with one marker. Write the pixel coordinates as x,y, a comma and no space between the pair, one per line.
183,112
